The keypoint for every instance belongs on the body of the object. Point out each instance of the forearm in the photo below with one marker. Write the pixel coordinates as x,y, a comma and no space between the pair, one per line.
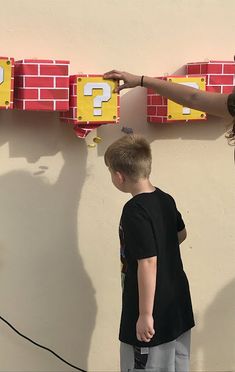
212,103
147,271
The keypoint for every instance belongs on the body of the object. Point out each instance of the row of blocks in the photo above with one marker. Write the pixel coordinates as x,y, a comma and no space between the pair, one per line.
38,85
46,85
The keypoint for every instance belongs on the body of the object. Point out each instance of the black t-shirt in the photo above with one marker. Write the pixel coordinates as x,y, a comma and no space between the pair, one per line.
231,104
148,227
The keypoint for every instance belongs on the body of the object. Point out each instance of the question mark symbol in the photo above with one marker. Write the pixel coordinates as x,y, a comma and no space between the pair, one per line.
97,102
187,110
1,75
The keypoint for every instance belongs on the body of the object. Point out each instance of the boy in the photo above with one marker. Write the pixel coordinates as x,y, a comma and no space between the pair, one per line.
156,305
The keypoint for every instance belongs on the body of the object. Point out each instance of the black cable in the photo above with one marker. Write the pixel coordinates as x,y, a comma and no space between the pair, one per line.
43,347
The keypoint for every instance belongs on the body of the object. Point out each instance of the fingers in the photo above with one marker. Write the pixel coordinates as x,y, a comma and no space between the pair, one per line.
145,336
120,87
129,80
114,74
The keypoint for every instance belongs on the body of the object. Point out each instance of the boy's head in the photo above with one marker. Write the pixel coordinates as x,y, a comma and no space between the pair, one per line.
129,158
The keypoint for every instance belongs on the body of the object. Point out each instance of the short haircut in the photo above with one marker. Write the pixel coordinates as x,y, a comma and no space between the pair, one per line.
131,155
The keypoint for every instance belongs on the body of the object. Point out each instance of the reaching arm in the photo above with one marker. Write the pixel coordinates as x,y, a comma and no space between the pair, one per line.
212,103
147,270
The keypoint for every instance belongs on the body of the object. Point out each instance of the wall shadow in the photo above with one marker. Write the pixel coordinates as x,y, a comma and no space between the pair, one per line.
45,289
216,336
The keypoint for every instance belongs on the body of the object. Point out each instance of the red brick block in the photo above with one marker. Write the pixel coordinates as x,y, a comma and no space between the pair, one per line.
39,82
157,100
214,88
19,104
39,105
152,110
53,70
26,93
62,82
151,91
19,81
62,62
61,106
54,94
21,69
73,79
161,111
214,68
194,69
229,68
36,61
204,68
73,101
155,119
28,76
221,80
228,89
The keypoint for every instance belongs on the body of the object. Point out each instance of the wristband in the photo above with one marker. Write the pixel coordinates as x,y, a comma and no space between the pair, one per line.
142,80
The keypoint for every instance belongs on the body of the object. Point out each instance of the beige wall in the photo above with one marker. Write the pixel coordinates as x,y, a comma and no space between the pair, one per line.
59,250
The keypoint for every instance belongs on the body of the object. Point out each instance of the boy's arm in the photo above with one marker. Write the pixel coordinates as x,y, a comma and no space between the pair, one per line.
147,273
212,103
182,235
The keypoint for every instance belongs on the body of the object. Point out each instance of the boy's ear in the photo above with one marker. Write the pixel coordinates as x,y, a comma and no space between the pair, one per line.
120,176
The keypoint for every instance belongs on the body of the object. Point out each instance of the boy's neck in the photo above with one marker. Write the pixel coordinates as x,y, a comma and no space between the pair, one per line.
143,185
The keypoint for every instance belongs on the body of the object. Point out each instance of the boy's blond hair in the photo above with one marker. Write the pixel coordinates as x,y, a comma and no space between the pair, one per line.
131,155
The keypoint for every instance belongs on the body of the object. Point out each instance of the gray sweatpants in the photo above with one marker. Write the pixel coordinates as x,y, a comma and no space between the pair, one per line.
169,357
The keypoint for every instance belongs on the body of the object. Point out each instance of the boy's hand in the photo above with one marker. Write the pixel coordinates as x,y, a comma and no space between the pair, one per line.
144,328
130,80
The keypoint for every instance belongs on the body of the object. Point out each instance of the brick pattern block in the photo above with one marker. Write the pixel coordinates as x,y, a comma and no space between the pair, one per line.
219,77
82,129
41,85
10,106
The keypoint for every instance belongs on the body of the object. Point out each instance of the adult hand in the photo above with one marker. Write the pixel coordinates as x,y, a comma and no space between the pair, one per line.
144,328
129,80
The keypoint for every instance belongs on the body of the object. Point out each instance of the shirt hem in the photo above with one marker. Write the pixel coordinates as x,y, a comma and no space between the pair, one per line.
156,343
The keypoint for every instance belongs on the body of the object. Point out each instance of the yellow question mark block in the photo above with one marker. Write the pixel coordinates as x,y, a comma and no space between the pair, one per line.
178,112
5,82
96,101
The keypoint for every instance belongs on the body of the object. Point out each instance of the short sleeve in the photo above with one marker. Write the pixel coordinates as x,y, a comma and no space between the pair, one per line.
231,104
180,222
138,233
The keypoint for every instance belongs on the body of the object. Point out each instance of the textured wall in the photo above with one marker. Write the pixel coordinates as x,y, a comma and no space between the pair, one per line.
59,258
